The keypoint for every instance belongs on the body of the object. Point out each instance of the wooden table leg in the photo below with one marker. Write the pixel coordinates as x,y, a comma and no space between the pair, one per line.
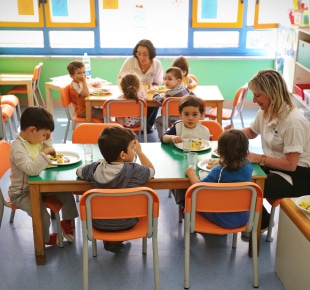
37,223
219,112
30,95
88,111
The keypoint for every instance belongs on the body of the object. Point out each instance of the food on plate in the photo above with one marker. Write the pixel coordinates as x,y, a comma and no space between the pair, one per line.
212,163
101,91
158,88
60,158
196,145
305,204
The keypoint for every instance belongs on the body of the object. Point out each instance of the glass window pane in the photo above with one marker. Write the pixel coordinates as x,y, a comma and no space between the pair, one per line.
205,39
72,39
21,38
262,39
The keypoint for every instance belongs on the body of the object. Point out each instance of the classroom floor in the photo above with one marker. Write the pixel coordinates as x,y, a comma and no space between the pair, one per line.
213,264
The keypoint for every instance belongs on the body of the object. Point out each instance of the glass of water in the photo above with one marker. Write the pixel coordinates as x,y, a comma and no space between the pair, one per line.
187,146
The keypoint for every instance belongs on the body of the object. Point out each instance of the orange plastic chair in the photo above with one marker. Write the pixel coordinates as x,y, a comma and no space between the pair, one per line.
139,202
13,101
88,133
53,203
229,114
274,203
120,108
66,102
7,113
169,108
17,90
214,127
221,197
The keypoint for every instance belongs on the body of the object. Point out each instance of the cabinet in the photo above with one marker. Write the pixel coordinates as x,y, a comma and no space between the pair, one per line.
302,73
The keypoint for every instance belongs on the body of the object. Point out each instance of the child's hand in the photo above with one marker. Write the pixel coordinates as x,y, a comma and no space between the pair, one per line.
176,139
228,127
138,147
49,151
189,171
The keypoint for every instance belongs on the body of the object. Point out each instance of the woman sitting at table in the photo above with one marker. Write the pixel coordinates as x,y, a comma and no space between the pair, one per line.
148,68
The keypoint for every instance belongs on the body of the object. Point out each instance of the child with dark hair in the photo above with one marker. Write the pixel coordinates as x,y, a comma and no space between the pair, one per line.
173,82
118,146
79,90
233,149
131,86
28,158
188,80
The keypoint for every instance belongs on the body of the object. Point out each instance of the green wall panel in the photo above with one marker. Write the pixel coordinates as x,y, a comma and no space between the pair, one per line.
228,74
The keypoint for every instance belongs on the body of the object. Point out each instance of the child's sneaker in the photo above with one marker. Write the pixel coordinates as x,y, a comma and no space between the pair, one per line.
67,230
53,240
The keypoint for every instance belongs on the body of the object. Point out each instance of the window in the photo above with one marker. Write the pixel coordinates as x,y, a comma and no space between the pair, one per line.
120,24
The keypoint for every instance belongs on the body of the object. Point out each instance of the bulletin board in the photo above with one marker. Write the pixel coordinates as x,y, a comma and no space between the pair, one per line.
70,13
21,13
217,13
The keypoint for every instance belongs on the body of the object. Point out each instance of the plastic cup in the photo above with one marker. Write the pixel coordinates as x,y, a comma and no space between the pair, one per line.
88,153
187,146
192,159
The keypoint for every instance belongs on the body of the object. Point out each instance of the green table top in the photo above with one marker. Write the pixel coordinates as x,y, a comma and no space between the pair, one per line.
168,160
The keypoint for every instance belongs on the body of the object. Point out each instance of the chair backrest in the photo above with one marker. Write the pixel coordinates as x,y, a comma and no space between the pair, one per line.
88,133
224,197
65,95
36,75
214,127
5,165
124,108
139,202
169,107
239,100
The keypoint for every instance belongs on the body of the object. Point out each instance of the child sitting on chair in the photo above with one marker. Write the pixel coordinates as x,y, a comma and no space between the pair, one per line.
191,110
118,146
131,87
188,80
233,149
28,158
173,82
79,90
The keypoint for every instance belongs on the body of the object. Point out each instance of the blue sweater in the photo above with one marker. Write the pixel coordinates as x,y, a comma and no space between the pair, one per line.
231,219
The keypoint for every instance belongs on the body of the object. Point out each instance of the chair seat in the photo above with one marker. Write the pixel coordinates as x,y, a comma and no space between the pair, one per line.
139,231
18,90
226,114
203,225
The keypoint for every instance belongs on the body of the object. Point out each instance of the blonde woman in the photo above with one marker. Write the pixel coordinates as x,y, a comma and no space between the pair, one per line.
285,139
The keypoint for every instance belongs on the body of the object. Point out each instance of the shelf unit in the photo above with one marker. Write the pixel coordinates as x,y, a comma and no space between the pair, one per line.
302,73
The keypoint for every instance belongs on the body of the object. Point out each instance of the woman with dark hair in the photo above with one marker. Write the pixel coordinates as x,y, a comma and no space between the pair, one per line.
144,63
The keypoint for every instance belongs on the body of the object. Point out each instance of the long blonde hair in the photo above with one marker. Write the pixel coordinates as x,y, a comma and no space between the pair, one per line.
271,83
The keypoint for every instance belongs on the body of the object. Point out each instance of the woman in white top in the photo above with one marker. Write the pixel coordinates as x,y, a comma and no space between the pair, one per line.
149,69
285,139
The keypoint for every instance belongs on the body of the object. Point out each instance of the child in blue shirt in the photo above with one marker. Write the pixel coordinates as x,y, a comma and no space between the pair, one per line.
233,148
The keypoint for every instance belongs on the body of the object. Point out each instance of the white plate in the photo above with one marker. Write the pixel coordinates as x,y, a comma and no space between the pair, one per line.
205,145
214,153
100,92
203,164
203,174
301,199
72,156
